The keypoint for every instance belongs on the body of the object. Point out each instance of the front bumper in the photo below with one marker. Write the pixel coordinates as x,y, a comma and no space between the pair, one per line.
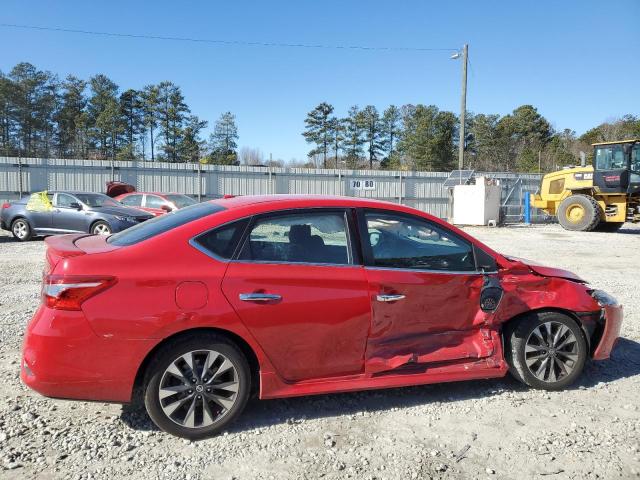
62,357
612,317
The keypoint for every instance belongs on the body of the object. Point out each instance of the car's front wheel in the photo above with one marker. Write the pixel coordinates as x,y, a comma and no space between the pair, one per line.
545,350
196,386
101,228
21,229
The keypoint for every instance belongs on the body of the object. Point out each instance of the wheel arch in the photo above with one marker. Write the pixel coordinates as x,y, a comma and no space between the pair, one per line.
97,220
241,343
507,325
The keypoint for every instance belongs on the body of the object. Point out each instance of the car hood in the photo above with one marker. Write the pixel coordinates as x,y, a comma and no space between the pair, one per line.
547,271
122,211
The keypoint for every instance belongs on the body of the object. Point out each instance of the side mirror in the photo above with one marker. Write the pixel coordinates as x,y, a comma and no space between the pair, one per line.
75,205
166,208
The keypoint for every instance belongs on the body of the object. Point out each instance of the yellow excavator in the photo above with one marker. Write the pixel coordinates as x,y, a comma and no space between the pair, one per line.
601,196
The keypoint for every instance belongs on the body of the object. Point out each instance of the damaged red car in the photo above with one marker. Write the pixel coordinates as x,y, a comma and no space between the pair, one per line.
195,310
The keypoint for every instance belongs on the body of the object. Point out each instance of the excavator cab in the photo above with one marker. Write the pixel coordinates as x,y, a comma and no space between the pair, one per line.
616,167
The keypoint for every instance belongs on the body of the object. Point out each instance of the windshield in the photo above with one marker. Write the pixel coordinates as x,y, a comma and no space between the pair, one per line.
163,223
181,201
96,200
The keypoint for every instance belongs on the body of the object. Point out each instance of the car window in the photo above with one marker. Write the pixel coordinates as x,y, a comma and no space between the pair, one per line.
64,200
153,201
181,201
222,241
163,223
315,237
97,200
132,200
399,241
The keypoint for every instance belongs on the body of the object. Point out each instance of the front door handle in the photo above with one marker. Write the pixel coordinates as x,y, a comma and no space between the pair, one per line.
259,297
389,298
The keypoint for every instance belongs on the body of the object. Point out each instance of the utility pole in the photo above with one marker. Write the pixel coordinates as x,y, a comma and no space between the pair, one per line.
463,106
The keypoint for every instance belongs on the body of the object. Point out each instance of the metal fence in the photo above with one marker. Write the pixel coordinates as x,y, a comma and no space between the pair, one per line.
421,190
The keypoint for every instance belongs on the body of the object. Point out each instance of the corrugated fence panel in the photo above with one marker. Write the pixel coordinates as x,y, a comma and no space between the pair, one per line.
421,190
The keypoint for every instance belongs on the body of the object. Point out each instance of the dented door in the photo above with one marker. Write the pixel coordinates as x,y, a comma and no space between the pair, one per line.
437,318
425,292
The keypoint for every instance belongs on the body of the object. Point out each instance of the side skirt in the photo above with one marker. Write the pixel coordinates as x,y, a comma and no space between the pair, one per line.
271,386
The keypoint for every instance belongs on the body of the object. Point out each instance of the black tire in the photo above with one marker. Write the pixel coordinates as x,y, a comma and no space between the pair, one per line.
609,226
591,213
157,373
101,228
519,333
21,229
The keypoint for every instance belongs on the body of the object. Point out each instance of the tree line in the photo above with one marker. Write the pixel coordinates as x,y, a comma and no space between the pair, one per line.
43,116
423,137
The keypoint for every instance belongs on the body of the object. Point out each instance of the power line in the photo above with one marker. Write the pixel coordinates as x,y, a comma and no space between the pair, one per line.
225,42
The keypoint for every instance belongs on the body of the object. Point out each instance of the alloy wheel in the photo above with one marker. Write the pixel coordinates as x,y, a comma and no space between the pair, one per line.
101,229
551,352
20,229
198,388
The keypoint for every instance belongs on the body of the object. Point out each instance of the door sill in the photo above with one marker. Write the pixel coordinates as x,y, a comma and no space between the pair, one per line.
271,386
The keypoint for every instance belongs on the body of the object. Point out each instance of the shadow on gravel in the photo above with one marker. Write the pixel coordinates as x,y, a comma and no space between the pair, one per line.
624,363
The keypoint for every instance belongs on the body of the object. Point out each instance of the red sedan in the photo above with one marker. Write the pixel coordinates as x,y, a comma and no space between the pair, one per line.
298,295
155,203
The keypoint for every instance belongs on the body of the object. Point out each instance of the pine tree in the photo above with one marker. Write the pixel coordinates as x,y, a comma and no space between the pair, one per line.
70,118
224,140
372,133
150,107
191,145
353,136
130,109
336,131
172,112
390,130
318,130
103,114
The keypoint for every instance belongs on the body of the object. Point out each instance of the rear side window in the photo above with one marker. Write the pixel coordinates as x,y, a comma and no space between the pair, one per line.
222,241
132,200
315,237
162,224
153,201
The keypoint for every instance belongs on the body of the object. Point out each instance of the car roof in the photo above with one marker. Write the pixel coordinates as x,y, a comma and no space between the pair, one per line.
150,193
305,201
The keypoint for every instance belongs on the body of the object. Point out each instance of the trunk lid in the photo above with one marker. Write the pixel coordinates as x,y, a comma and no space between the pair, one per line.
66,246
116,188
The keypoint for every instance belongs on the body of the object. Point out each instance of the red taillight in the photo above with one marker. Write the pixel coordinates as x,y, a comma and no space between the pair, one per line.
67,292
6,205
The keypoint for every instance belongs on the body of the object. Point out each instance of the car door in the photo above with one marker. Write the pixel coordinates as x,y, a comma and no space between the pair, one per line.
40,219
66,216
298,287
425,292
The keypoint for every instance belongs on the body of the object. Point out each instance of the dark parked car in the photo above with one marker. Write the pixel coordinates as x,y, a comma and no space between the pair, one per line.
68,212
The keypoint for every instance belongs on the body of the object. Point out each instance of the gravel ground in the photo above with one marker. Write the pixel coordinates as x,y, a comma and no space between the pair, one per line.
482,429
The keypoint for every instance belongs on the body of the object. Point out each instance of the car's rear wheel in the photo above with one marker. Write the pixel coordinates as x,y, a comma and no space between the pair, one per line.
21,229
546,350
197,386
101,228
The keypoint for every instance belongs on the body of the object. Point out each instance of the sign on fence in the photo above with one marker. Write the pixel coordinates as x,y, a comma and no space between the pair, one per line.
363,184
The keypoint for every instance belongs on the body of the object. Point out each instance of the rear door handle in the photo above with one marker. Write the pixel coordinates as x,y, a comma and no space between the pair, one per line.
388,298
259,297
